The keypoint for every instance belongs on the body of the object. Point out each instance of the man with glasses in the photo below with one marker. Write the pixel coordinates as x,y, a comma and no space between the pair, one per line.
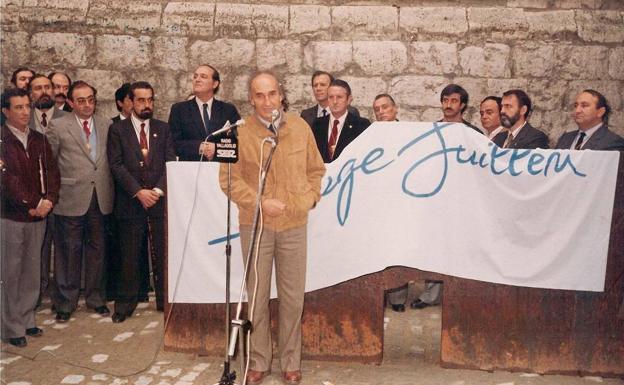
78,140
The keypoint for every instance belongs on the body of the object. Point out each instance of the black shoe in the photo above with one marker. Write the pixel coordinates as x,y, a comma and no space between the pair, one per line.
118,318
34,332
62,317
20,342
102,310
398,307
418,304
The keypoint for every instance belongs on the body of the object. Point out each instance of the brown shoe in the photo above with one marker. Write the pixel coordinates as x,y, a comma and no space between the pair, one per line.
255,377
292,377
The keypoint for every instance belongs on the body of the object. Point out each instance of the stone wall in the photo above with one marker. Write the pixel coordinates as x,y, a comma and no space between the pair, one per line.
410,49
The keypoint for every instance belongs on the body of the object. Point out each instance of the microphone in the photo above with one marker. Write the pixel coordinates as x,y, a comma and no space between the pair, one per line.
226,127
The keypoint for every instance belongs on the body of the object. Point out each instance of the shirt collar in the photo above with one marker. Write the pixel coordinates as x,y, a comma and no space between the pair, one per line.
200,104
17,132
496,132
136,122
515,132
590,131
89,121
319,110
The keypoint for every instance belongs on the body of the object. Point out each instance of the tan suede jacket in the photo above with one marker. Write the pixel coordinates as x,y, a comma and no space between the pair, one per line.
294,176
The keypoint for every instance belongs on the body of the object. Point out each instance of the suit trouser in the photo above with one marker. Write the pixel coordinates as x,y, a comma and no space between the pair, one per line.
288,248
20,264
76,237
46,256
133,239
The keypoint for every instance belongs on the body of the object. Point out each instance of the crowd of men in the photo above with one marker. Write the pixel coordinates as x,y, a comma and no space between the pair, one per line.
93,188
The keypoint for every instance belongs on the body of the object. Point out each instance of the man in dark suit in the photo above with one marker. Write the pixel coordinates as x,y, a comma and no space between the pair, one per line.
193,120
335,131
78,140
123,103
515,110
454,102
60,85
138,149
320,85
591,114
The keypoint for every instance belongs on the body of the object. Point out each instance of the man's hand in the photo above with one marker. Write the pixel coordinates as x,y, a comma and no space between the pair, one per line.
44,208
148,198
273,207
208,149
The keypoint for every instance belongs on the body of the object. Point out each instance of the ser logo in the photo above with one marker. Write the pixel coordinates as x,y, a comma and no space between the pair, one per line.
226,153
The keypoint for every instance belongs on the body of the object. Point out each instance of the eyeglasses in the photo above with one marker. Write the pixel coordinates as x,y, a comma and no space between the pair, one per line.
85,101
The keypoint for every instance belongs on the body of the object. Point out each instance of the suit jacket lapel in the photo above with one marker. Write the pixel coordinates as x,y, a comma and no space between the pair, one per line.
131,138
75,130
595,139
518,139
345,135
321,131
195,112
216,115
154,138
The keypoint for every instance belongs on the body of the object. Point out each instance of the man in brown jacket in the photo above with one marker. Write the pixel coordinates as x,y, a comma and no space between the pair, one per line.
292,189
30,185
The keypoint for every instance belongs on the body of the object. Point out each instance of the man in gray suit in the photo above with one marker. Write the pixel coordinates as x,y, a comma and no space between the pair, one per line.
78,140
591,114
42,96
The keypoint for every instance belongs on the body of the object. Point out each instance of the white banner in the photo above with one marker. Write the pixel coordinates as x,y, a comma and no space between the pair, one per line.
434,196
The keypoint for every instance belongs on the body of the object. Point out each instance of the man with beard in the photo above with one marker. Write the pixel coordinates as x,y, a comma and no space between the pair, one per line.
42,113
138,149
515,109
320,86
78,140
29,190
60,86
193,120
591,114
42,97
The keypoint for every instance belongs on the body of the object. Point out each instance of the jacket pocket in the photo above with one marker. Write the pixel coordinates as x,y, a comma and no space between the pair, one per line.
68,180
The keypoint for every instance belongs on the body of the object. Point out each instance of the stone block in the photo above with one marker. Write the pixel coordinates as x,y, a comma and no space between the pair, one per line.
616,122
360,21
62,49
582,62
247,20
380,57
123,51
299,90
106,82
165,91
528,3
434,57
496,87
432,114
277,53
54,11
487,61
364,89
499,23
417,91
223,53
170,53
616,63
548,94
550,23
241,88
309,18
533,60
331,56
10,19
18,44
442,20
600,26
124,16
477,90
189,18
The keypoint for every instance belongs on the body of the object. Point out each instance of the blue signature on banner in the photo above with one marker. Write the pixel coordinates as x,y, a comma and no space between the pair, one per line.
498,161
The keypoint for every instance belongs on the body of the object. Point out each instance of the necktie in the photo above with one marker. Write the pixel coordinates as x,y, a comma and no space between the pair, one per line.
143,141
508,140
206,118
44,121
324,113
85,127
579,142
272,129
331,145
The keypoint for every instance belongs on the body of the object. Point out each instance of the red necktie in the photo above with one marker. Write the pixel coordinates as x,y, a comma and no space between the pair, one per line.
331,145
143,141
44,121
85,127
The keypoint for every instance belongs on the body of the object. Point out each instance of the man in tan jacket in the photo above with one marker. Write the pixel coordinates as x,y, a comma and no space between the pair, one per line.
292,188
